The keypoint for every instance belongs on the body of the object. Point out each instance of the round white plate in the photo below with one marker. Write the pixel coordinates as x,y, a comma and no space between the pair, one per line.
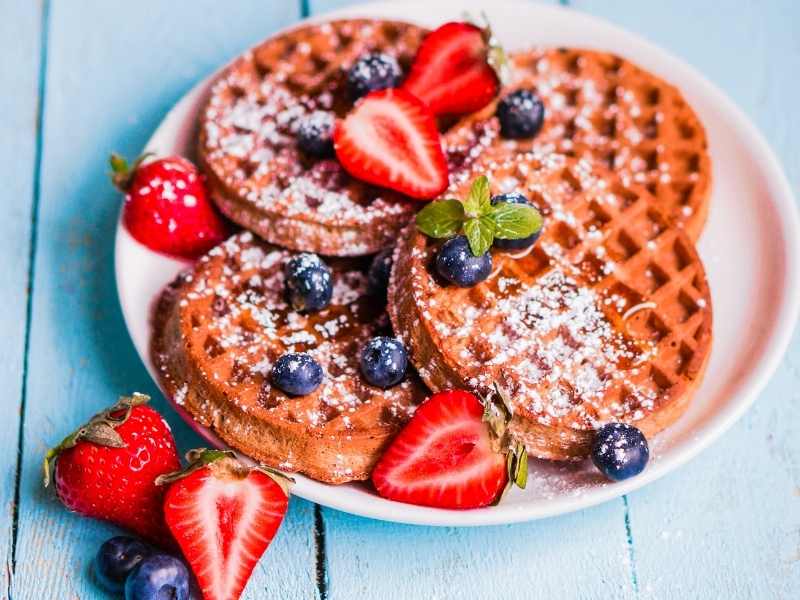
750,248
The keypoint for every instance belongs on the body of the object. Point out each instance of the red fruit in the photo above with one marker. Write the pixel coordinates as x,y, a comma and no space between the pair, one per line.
166,206
390,139
223,515
451,72
107,469
448,455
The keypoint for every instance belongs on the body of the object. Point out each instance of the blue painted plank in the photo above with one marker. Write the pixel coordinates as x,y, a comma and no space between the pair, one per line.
726,524
575,556
113,72
19,45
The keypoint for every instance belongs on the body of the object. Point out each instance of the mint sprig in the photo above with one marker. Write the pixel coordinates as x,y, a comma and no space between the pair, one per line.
479,220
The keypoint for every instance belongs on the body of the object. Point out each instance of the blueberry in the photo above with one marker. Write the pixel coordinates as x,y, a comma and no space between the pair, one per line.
384,361
519,244
378,275
158,577
309,282
297,373
521,114
315,134
456,263
620,451
373,72
116,558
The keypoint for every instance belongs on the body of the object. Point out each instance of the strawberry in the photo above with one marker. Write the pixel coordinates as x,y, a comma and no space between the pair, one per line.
223,515
451,454
452,73
390,139
107,469
166,205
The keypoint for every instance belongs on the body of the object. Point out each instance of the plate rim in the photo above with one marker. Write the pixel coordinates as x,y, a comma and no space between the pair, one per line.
776,343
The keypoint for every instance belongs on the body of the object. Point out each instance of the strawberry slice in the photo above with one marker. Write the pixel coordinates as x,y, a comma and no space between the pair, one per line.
448,455
223,515
390,139
451,72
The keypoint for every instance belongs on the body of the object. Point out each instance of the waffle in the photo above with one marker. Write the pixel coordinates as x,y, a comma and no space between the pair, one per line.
221,325
602,107
606,318
257,175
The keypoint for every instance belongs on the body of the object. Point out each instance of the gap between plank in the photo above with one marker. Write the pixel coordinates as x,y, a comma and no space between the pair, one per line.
321,559
37,169
631,553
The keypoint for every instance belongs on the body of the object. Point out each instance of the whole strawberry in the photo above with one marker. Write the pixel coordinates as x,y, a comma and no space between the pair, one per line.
166,205
107,469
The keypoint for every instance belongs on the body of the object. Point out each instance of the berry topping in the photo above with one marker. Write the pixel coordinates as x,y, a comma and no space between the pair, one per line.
315,134
454,453
297,373
456,263
309,282
158,576
521,114
106,469
390,139
451,72
116,558
373,72
620,451
378,275
519,243
384,361
223,515
166,206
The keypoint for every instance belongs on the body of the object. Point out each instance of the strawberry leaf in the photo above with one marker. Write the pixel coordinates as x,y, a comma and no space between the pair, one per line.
441,219
480,234
478,202
514,221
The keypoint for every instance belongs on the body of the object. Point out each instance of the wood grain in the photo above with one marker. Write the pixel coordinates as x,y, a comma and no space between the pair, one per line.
112,75
20,42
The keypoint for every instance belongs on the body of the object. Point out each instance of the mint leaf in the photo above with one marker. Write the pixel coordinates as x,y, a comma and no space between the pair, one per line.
441,219
478,201
514,221
480,234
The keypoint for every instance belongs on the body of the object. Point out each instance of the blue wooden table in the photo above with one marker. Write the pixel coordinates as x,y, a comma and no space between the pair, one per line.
81,78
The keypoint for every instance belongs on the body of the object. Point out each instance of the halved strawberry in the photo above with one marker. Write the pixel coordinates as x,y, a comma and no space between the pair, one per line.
223,515
390,139
452,73
450,456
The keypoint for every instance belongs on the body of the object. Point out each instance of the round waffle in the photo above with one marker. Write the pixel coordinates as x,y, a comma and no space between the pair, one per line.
606,318
603,107
221,325
256,173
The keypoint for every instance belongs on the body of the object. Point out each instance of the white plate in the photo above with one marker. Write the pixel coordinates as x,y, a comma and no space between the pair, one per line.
750,248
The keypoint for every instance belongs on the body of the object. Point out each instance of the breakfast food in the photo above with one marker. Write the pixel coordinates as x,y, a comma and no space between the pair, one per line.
288,188
606,318
597,105
219,331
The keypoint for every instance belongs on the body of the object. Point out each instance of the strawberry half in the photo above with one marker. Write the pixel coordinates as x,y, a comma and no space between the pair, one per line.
390,139
452,73
223,515
107,469
450,456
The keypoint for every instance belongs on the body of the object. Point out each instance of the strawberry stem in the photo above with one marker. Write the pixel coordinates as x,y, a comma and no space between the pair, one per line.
121,173
100,430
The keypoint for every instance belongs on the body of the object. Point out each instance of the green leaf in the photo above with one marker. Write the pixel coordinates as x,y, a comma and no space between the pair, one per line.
478,202
514,221
441,219
480,234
